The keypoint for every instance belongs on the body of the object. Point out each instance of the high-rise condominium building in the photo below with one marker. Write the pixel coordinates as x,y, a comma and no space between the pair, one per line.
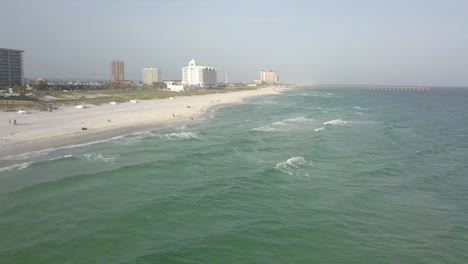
151,75
11,67
200,76
118,71
269,77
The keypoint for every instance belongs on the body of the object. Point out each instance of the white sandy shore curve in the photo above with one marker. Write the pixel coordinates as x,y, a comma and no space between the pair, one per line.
63,127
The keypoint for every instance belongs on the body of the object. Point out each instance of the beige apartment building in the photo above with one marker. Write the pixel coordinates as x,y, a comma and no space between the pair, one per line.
151,75
268,77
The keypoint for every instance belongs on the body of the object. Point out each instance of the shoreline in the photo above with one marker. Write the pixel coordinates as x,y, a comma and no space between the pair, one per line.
43,131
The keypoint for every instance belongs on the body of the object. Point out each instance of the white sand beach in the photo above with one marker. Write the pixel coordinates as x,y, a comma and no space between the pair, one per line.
42,130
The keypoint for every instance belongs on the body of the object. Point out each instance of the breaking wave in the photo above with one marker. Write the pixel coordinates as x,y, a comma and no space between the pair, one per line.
133,138
183,135
319,129
99,157
266,129
335,122
281,125
63,157
290,165
16,167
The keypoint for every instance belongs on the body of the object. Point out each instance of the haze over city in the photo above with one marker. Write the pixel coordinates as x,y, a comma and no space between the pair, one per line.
355,42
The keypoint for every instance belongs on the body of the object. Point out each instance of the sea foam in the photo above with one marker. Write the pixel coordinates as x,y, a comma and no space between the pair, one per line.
335,122
266,129
281,125
62,157
183,135
16,167
290,165
99,157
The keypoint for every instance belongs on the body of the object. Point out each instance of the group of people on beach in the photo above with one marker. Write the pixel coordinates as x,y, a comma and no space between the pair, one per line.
14,121
174,115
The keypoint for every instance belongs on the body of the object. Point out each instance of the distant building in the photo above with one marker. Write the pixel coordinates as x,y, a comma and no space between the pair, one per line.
11,67
118,73
268,77
151,75
202,77
176,86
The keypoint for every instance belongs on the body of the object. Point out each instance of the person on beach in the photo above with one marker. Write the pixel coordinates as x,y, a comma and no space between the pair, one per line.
9,121
14,122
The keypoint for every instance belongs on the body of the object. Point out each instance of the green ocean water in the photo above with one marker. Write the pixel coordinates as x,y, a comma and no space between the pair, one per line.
309,176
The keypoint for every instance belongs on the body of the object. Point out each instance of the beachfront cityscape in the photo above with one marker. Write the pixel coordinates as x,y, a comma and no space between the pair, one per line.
194,76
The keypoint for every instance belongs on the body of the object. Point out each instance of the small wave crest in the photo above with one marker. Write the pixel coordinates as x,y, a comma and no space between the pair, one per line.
290,165
100,157
16,167
62,157
297,119
319,129
38,153
133,138
183,135
266,129
335,122
285,122
274,127
28,155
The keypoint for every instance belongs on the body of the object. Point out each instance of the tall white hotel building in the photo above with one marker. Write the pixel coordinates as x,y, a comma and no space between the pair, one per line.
151,75
202,77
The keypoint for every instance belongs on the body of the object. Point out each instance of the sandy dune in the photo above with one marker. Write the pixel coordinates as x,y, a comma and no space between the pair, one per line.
42,130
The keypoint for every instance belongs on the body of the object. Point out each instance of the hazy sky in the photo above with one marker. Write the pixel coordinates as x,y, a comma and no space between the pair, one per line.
414,42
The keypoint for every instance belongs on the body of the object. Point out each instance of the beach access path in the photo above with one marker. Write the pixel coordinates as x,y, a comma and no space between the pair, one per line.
63,127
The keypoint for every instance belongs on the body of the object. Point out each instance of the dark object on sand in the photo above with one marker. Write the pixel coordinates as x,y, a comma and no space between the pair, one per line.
84,128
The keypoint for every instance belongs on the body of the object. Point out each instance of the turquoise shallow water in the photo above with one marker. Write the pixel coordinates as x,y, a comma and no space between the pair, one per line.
310,176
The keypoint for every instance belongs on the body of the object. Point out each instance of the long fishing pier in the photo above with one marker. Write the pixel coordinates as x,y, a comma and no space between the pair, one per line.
373,87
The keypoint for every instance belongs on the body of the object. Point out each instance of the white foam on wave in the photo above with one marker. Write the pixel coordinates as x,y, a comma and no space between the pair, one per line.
281,125
16,167
290,165
38,153
335,122
297,119
319,129
183,135
100,157
133,138
28,155
266,129
62,157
